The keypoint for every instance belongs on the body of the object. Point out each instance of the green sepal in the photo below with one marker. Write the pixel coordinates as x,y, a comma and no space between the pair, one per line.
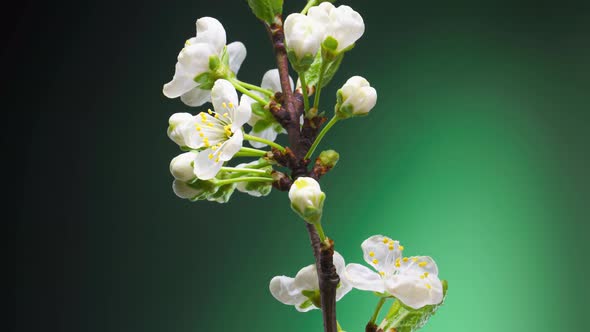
225,56
313,296
410,320
206,80
266,10
214,63
300,65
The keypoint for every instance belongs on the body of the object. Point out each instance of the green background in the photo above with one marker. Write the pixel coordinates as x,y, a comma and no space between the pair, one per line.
476,154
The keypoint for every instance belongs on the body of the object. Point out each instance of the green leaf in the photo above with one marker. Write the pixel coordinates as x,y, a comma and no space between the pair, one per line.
312,75
410,320
266,10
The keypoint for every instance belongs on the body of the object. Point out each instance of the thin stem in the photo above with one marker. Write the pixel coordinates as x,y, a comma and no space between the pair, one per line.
340,329
244,170
253,152
310,4
265,141
304,91
316,101
377,309
255,88
247,92
246,179
321,135
320,230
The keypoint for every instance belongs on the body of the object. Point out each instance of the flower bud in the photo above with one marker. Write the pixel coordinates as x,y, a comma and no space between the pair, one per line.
303,36
329,158
181,167
307,199
343,24
177,123
355,98
186,191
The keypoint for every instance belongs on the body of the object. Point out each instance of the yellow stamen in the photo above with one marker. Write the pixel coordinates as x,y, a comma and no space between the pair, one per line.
405,259
225,115
428,286
401,247
382,273
375,261
210,155
224,105
397,262
209,111
425,274
199,128
414,259
391,247
422,264
372,253
385,240
201,134
231,105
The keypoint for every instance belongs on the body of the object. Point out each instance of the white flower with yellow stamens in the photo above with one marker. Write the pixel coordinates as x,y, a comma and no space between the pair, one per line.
303,291
219,131
194,60
412,280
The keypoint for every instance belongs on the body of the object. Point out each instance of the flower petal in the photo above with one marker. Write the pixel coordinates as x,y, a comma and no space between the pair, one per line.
272,81
307,278
207,165
268,134
345,285
413,292
196,97
224,97
231,146
193,60
283,289
237,54
382,253
361,277
211,31
242,113
416,284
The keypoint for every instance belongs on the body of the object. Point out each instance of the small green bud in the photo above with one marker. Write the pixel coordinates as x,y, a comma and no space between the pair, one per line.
329,158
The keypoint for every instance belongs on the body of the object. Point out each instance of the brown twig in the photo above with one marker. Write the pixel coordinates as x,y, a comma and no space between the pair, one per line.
287,110
327,276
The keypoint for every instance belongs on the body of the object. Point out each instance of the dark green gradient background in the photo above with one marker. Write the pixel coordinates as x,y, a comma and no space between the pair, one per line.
477,154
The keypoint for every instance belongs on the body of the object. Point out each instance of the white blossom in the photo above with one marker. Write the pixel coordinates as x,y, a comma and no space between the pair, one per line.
219,131
303,290
193,60
413,280
341,23
356,97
